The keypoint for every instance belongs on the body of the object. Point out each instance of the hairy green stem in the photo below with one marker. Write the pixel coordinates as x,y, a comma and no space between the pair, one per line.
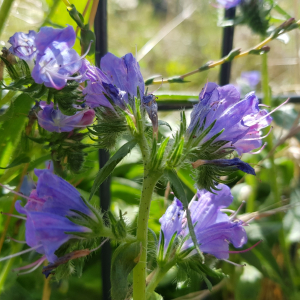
4,12
139,272
150,179
267,99
156,276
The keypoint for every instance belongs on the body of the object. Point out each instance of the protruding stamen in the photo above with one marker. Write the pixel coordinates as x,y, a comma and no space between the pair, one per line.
235,264
12,215
19,194
265,116
33,269
43,258
264,105
52,82
262,137
20,253
248,249
100,245
227,210
237,211
17,241
258,151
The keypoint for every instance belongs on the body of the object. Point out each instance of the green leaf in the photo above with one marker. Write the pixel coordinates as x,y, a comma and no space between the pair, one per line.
21,159
13,122
124,259
87,36
110,165
180,194
155,296
208,283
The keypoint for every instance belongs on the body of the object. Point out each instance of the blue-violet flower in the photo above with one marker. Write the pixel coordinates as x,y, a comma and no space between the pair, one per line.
242,120
23,45
47,211
52,119
56,62
213,228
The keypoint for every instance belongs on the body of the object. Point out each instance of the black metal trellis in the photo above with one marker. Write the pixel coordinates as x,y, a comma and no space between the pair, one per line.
100,26
227,44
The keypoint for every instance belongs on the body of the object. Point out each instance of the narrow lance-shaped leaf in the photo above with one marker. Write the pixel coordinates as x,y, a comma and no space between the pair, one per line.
21,159
180,194
110,165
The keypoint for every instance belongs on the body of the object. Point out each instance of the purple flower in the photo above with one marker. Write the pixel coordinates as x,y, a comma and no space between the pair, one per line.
213,228
229,3
23,45
47,211
251,78
118,78
171,222
56,62
52,119
232,164
242,120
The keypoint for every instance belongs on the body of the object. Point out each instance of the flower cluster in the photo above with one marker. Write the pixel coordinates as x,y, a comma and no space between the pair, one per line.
55,60
213,228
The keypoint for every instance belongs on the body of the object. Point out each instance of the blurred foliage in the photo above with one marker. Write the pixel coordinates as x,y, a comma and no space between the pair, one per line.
131,24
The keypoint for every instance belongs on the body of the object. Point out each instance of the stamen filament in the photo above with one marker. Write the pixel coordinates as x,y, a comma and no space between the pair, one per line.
42,259
20,253
99,245
19,194
17,241
12,215
235,264
265,116
33,269
248,249
262,137
261,149
237,211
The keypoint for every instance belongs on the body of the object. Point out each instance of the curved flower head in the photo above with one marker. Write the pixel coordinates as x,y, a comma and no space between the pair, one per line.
56,62
52,119
213,228
23,45
48,210
242,120
118,78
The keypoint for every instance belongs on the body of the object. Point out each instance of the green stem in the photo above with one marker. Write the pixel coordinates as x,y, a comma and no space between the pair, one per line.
267,99
4,12
156,276
139,272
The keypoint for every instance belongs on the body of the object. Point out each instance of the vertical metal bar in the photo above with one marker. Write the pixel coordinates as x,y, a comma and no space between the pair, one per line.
100,26
227,44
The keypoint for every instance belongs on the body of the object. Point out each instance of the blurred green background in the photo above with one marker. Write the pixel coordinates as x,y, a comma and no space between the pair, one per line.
137,25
